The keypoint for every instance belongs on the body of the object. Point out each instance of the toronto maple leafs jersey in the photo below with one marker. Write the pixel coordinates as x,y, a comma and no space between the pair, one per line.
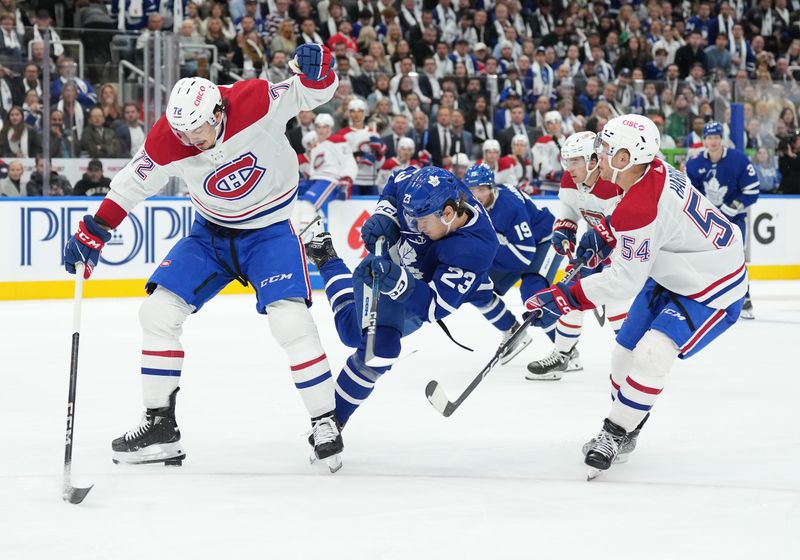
450,271
668,231
732,178
507,170
520,225
248,180
590,203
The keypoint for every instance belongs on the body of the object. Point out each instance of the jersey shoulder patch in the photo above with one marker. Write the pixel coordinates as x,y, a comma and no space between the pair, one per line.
246,102
163,146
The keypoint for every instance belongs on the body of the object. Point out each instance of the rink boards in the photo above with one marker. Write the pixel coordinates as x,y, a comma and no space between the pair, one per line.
35,230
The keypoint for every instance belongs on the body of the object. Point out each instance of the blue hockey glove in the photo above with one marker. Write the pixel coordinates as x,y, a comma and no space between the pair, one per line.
383,222
733,209
85,246
564,237
597,244
313,60
393,279
549,304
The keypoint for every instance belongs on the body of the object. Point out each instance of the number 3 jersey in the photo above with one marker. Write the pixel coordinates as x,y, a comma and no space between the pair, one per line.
451,271
666,230
248,180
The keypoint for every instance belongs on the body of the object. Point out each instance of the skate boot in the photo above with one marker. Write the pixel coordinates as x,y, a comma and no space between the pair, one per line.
552,367
319,249
605,448
626,447
326,439
522,341
747,309
575,363
156,439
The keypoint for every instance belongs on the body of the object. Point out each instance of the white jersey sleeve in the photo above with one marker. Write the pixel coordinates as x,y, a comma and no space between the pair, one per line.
332,160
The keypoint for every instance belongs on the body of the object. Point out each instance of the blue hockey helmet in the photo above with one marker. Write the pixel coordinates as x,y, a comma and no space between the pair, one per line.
479,175
428,191
712,128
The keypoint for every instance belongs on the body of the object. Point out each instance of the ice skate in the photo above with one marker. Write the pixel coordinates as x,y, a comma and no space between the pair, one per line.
319,249
747,309
552,367
157,439
605,448
522,342
326,439
626,447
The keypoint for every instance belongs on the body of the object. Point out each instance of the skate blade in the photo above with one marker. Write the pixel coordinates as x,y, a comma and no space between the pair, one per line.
593,473
574,366
523,345
552,376
334,462
171,454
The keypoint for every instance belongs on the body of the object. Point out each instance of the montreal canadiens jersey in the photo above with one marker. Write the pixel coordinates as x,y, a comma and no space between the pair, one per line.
390,165
368,163
546,156
507,170
249,179
450,271
520,226
331,160
591,204
732,178
666,230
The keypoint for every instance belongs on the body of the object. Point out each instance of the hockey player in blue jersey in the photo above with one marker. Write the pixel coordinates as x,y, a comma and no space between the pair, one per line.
440,245
729,180
525,253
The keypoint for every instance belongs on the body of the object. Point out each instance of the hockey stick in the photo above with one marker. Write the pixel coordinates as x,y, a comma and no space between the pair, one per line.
436,394
308,227
372,317
600,315
70,493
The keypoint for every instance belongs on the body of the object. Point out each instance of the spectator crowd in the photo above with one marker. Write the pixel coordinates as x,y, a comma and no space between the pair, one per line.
465,80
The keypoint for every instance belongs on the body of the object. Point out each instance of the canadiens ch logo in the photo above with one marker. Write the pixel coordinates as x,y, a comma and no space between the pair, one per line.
236,179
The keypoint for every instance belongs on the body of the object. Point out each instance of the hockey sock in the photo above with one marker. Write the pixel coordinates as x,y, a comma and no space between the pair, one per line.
652,360
292,326
616,313
568,329
498,314
339,290
355,383
621,363
161,316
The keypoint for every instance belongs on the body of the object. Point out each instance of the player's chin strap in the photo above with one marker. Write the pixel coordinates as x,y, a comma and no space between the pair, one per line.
449,225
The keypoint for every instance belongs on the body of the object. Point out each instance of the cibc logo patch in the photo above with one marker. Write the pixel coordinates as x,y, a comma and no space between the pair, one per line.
235,179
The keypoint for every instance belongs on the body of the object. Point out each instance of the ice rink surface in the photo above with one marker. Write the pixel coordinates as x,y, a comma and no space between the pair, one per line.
714,476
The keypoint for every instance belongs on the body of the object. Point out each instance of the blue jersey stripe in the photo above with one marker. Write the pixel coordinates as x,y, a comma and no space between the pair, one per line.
633,404
161,372
311,382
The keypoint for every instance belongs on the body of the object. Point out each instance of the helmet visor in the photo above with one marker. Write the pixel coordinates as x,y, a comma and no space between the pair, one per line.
199,137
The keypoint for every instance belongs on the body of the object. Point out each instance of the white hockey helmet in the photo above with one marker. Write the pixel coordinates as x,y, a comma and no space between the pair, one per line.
520,139
323,119
192,103
580,145
635,133
406,143
357,104
491,146
461,160
309,140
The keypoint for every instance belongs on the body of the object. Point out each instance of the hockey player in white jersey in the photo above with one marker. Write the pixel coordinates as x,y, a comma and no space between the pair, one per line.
673,248
546,151
331,168
228,144
403,159
366,146
504,168
584,197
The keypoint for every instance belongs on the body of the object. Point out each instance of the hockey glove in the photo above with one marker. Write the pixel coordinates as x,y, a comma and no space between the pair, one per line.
312,60
85,246
597,244
382,223
344,188
549,304
393,279
424,158
377,147
564,237
733,209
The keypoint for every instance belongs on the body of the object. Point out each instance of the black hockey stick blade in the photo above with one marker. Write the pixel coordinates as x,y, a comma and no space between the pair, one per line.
600,314
435,393
308,227
75,495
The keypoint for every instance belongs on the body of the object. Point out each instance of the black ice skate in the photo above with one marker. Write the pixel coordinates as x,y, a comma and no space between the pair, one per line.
552,367
320,249
326,439
522,342
605,448
747,309
156,440
626,447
